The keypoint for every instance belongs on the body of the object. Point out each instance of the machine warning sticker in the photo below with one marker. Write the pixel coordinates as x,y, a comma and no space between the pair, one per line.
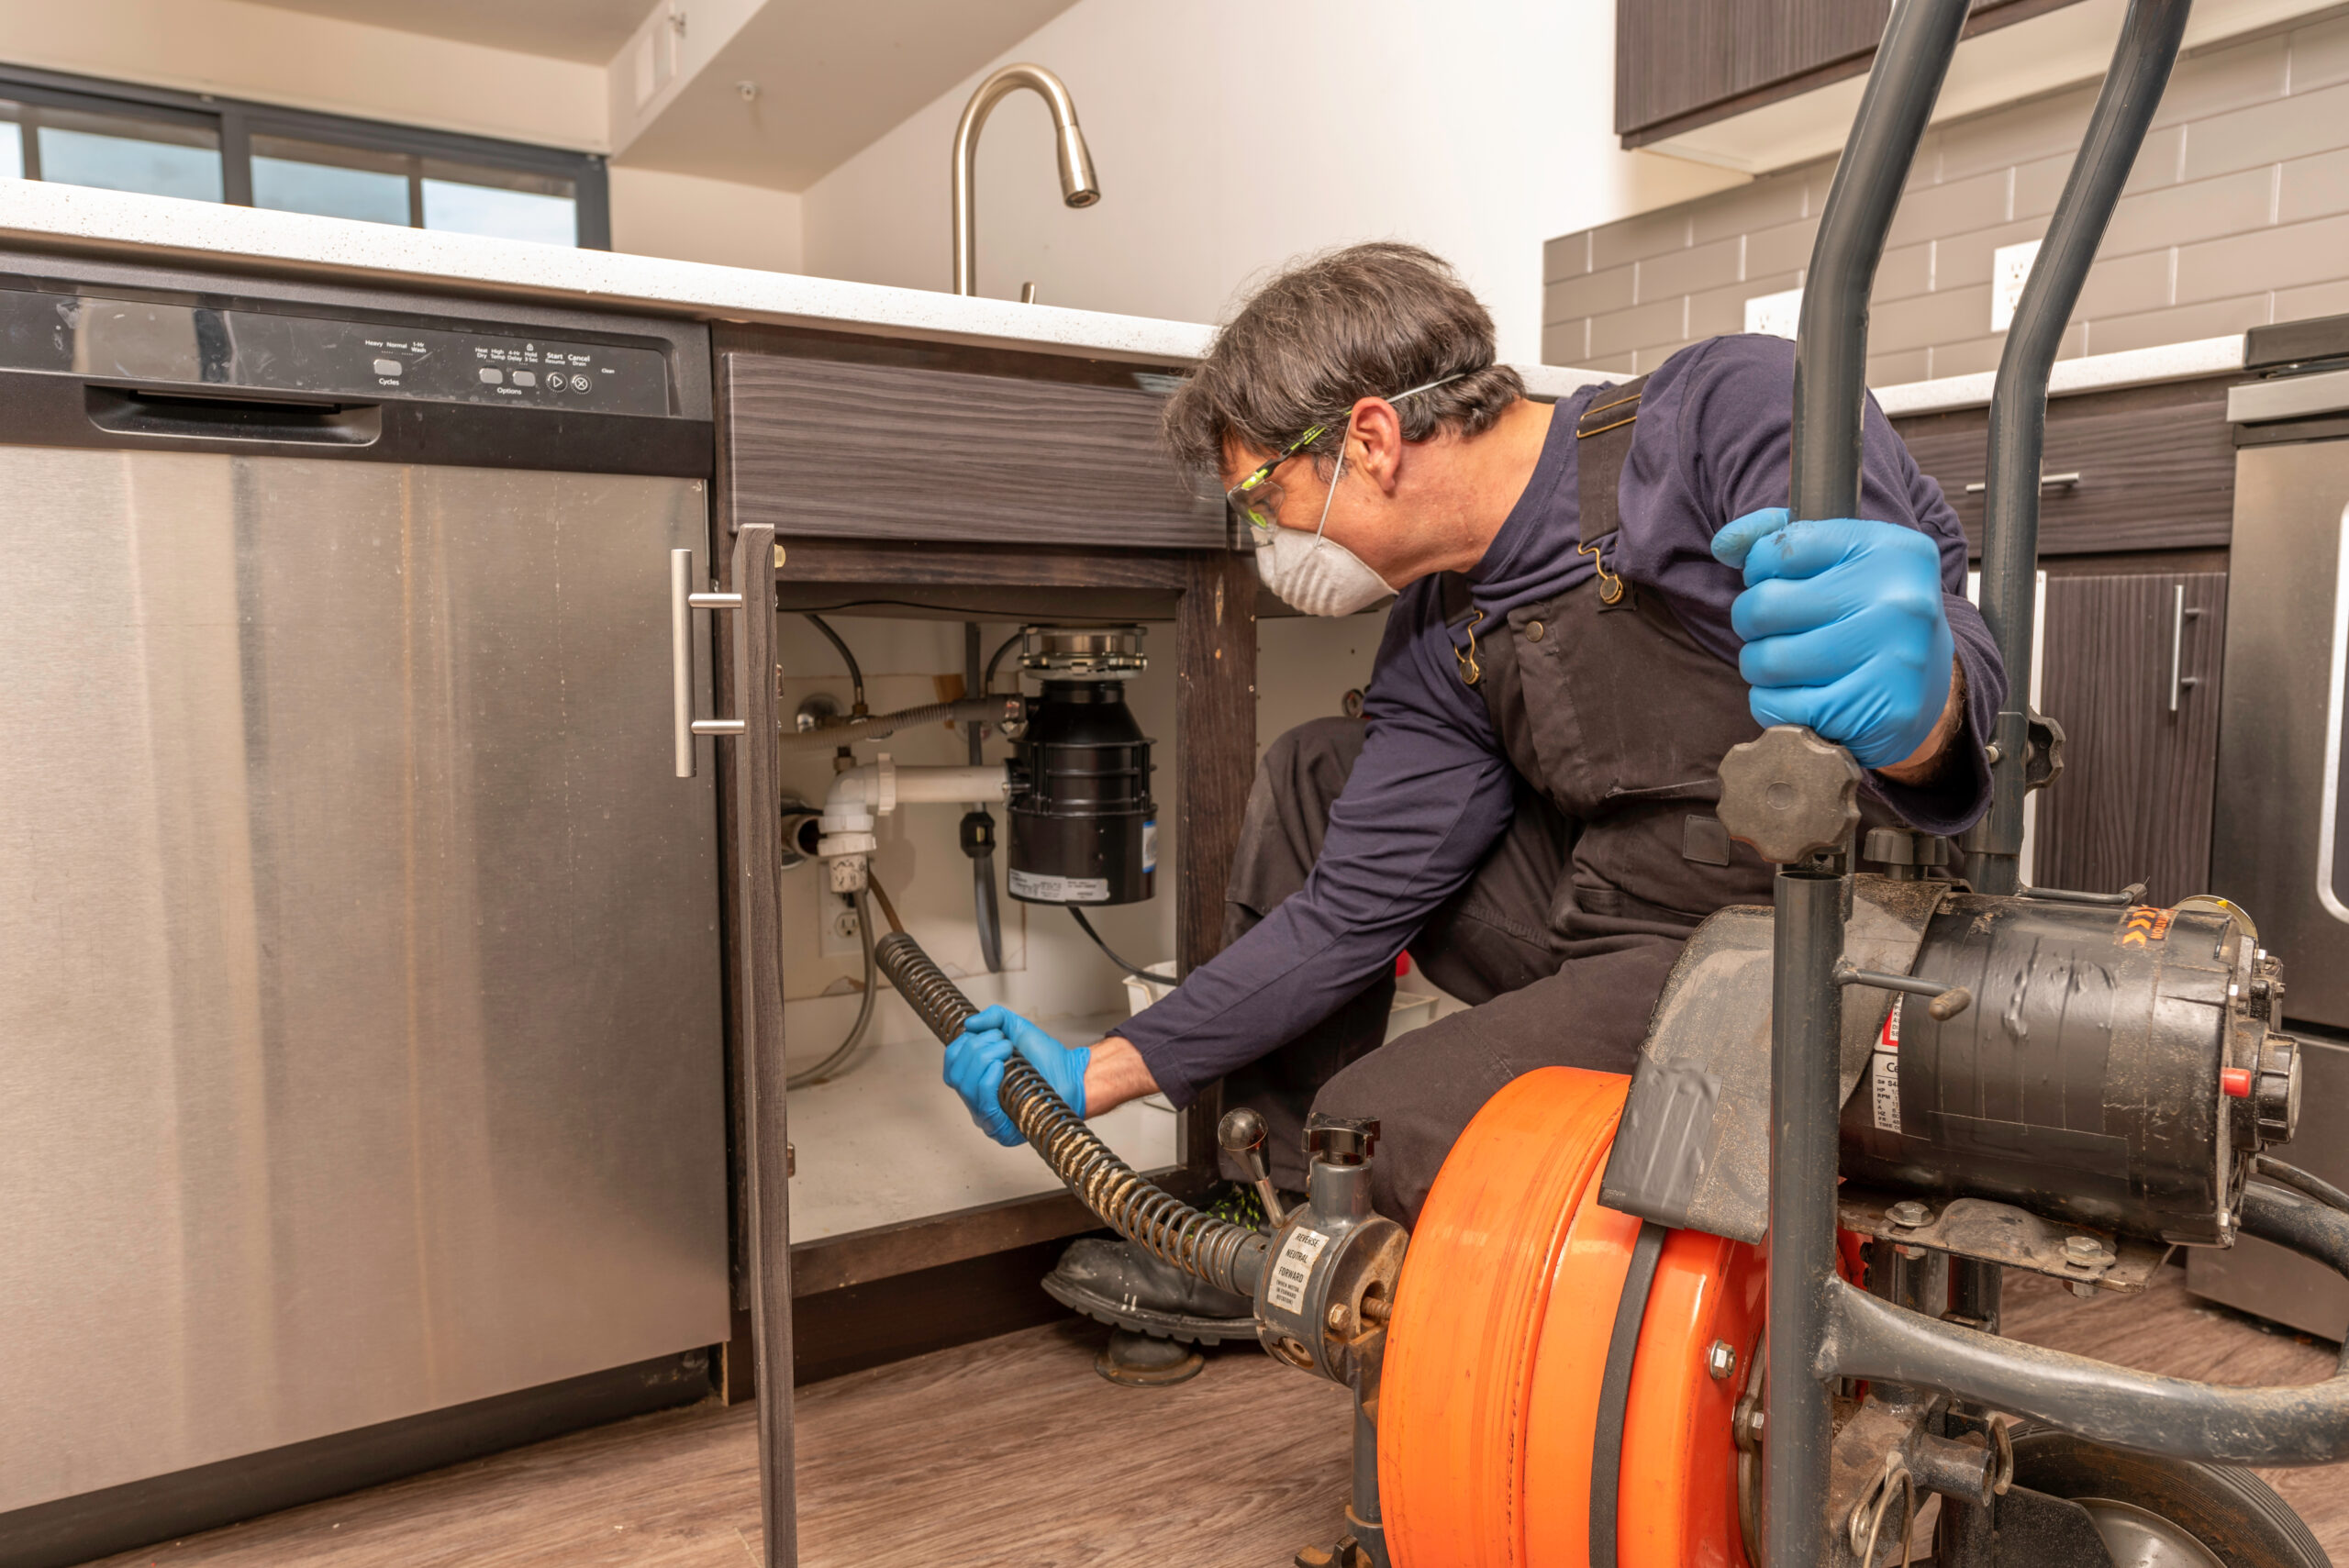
1884,1079
1293,1268
1150,845
1060,889
2142,926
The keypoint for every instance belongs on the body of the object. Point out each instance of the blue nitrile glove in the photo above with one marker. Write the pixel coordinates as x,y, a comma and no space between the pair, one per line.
1843,630
974,1067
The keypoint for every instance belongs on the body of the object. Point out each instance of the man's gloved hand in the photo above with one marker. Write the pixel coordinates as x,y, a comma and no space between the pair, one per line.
1843,630
974,1067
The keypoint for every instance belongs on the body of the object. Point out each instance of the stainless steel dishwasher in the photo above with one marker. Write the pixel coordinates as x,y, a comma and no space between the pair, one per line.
2281,837
359,996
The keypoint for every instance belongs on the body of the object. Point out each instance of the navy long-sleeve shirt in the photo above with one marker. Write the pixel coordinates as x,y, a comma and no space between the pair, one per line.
1431,792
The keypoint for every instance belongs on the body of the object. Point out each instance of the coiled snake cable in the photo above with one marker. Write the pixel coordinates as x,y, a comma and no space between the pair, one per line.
1229,1256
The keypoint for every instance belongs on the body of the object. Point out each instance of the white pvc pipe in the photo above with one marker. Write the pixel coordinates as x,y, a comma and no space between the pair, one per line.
874,789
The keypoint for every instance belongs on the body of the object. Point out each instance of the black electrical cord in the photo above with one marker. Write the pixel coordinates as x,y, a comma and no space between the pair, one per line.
855,673
2304,1183
986,681
1136,970
979,844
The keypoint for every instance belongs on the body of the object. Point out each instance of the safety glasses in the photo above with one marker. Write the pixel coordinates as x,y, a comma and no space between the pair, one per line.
1257,499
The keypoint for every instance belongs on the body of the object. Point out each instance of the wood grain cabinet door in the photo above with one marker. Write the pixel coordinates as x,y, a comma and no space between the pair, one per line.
2131,672
2147,468
822,449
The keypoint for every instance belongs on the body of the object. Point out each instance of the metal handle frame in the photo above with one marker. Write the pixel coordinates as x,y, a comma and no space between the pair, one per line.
2150,36
1806,1003
1820,1328
683,603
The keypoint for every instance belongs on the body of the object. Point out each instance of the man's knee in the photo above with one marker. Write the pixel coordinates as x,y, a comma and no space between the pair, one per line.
1422,1089
1311,761
1288,815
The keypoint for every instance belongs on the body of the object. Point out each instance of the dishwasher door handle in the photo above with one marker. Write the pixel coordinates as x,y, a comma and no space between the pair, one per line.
683,603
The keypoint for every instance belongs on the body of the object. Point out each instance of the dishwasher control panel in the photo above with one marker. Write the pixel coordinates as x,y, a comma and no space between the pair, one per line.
162,345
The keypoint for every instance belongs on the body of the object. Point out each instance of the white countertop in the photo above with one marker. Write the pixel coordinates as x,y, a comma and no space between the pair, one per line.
74,218
2090,372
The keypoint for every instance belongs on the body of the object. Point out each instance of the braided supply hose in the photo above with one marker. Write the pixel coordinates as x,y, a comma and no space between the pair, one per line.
849,728
1230,1256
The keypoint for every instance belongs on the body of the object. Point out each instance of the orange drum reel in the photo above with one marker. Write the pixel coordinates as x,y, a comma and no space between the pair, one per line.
1496,1352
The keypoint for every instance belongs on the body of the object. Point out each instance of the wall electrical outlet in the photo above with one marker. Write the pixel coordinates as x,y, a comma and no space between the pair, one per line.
837,936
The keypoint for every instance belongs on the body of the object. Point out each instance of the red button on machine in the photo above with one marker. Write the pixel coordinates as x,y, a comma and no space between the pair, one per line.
2235,1082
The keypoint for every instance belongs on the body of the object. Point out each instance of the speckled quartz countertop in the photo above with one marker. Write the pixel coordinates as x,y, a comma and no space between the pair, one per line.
35,215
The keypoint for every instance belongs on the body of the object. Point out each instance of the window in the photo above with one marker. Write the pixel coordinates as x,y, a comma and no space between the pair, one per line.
75,131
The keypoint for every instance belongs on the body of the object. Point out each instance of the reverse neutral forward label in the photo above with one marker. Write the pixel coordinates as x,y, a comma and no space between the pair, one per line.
1060,889
1884,1077
1294,1268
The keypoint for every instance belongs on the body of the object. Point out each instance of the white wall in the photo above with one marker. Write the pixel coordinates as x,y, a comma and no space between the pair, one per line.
273,56
1231,136
687,218
312,62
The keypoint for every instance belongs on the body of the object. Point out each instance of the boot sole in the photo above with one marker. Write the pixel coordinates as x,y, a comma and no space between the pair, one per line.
1181,1328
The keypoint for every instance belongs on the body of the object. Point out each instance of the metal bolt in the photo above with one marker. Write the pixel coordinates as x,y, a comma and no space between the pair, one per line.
1908,1213
2082,1249
2083,1289
1720,1359
1339,1316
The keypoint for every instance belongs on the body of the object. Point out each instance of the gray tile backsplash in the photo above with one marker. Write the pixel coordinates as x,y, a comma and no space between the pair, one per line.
2236,215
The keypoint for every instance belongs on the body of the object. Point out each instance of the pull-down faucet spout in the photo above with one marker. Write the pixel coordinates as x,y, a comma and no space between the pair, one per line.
1079,188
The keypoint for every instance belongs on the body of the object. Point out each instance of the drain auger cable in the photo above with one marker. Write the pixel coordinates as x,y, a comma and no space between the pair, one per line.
1230,1256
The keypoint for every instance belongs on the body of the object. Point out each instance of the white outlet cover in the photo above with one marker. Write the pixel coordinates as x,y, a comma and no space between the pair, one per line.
2010,270
1775,315
836,932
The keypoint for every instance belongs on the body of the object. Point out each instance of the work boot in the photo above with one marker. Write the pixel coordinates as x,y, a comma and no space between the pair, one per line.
1120,1284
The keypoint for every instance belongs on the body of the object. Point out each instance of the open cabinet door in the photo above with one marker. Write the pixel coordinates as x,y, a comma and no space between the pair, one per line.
755,915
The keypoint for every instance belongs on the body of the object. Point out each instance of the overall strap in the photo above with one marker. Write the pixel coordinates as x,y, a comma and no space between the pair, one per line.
1602,443
1460,612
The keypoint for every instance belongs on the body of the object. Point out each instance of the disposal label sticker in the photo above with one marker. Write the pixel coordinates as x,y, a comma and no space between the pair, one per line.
1060,889
1883,1081
1150,845
1294,1267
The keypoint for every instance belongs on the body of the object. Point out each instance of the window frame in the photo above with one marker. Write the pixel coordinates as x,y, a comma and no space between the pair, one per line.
237,121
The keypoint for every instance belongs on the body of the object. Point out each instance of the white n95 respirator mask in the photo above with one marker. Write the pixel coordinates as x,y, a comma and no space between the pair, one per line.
1313,572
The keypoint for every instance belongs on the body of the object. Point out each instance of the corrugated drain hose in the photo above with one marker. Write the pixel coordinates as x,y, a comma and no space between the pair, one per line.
1224,1254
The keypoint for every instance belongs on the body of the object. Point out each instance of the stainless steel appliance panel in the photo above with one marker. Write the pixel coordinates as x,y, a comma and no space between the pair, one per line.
359,978
2280,838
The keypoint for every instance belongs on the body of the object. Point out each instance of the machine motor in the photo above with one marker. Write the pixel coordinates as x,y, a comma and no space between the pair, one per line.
2117,1066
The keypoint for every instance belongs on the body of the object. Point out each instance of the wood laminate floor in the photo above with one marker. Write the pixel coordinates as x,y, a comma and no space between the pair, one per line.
1012,1451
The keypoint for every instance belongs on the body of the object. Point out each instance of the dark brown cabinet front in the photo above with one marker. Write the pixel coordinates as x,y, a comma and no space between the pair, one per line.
1683,63
2132,674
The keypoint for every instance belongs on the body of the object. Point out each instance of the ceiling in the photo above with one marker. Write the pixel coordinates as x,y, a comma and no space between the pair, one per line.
831,78
588,30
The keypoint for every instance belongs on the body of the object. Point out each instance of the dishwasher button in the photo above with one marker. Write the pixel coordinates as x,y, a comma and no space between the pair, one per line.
388,367
526,378
492,376
579,383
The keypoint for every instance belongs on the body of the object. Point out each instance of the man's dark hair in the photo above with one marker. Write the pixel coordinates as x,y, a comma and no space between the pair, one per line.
1367,321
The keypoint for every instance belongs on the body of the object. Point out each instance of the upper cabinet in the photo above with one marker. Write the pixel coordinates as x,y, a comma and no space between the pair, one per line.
1681,64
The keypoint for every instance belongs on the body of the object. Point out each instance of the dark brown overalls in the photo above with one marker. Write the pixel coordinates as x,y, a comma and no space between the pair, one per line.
1615,721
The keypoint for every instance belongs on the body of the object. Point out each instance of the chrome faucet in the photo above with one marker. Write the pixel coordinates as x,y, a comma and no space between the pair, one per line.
1078,188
